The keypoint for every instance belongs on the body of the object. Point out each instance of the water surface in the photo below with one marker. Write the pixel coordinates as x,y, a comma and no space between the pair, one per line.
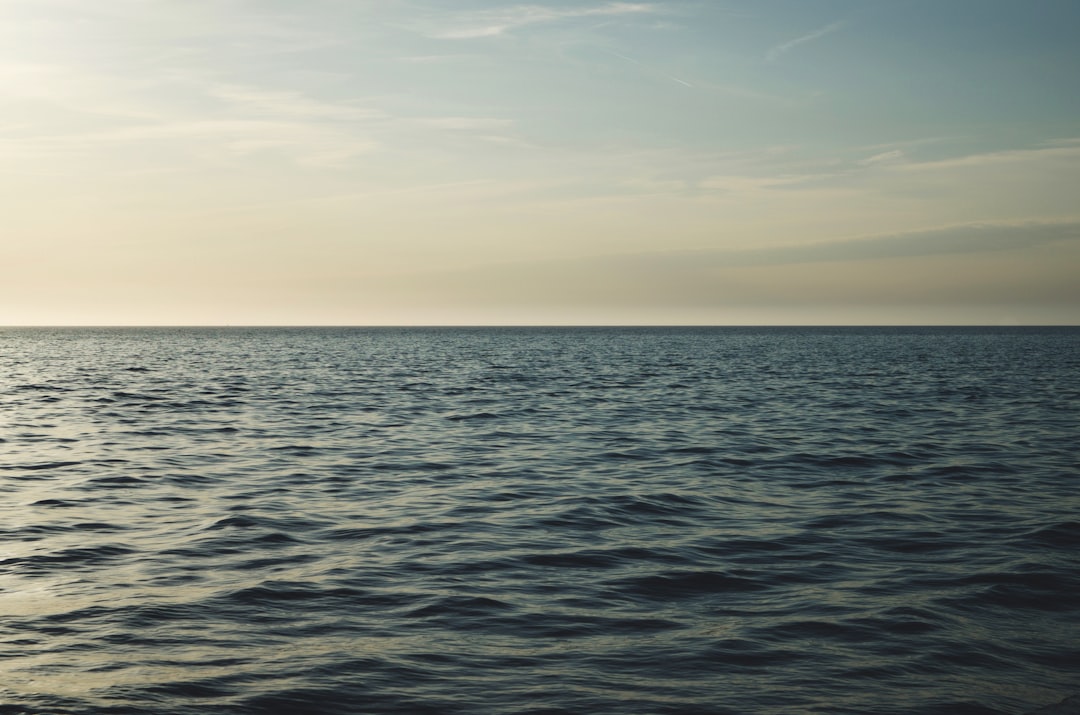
539,520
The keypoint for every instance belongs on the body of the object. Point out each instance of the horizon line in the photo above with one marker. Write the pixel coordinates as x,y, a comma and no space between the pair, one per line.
534,325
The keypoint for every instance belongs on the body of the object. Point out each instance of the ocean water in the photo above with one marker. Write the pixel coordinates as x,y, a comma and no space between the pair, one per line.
618,520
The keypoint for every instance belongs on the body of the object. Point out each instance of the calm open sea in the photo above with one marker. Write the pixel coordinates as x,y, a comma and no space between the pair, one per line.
610,520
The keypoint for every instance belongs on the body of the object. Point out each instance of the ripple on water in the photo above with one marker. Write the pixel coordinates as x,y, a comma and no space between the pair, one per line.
539,521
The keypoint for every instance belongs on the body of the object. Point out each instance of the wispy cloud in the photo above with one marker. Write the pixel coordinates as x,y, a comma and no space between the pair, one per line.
202,140
956,239
464,123
498,22
671,77
943,259
889,165
284,104
1068,150
431,59
989,237
745,184
73,89
884,157
783,48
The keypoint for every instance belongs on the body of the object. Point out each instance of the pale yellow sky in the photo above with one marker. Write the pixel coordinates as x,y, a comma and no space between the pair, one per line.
166,162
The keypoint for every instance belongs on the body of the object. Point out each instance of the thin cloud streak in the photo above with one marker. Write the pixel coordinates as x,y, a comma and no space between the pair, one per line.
1068,151
491,24
463,123
782,49
959,239
288,104
974,264
673,78
305,144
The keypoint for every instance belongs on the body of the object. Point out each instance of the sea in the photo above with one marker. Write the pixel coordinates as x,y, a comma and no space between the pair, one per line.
726,521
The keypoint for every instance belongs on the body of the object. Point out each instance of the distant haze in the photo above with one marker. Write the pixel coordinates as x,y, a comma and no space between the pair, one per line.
552,162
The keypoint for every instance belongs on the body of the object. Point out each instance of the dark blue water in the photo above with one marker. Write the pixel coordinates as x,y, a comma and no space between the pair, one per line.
539,520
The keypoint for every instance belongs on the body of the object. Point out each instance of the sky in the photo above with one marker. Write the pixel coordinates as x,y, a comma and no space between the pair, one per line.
478,162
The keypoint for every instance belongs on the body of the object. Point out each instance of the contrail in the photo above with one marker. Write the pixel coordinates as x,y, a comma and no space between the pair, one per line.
775,52
646,67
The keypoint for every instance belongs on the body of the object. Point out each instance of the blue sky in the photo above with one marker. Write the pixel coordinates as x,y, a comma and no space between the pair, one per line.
477,162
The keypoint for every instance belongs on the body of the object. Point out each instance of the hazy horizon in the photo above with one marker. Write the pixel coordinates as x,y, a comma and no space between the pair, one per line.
409,162
537,326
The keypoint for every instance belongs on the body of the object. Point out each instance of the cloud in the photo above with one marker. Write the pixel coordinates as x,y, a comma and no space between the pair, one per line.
1015,184
498,22
213,140
883,158
79,91
671,77
960,239
956,239
431,59
1067,150
464,123
281,104
974,264
746,184
783,48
